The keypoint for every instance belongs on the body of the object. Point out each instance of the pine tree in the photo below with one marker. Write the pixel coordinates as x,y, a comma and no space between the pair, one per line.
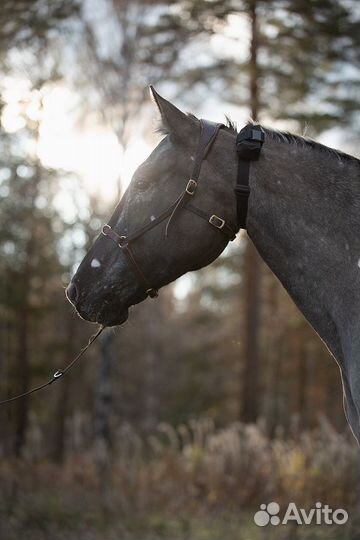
27,23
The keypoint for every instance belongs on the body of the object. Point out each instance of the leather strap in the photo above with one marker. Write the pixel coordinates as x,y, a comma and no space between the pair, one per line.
214,220
123,243
249,142
208,133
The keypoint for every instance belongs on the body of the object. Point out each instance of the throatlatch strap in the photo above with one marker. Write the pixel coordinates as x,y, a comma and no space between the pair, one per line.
248,146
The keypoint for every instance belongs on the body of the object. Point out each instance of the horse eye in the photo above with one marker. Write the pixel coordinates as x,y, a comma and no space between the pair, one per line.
142,185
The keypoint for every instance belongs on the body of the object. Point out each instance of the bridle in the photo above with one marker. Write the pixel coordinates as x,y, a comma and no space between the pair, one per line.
208,134
249,142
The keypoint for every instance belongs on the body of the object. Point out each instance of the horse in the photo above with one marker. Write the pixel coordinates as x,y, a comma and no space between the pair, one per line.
180,211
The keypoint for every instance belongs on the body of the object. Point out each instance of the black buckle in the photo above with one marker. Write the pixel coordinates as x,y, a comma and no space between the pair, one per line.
249,142
191,187
217,222
257,135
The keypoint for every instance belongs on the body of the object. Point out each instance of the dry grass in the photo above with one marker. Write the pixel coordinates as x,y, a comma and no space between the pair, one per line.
192,482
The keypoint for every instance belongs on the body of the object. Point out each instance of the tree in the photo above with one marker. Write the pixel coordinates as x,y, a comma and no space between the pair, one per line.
28,251
28,23
32,230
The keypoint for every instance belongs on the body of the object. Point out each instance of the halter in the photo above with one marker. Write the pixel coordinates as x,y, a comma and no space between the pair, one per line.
249,142
208,133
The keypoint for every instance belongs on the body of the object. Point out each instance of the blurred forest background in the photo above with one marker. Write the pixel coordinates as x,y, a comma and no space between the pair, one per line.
218,396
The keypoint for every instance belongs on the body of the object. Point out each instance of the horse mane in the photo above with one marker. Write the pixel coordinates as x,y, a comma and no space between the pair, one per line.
281,136
306,142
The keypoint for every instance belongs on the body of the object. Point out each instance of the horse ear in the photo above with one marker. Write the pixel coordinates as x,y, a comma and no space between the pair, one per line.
173,120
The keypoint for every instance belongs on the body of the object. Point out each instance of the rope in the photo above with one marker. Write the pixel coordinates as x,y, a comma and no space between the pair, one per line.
59,373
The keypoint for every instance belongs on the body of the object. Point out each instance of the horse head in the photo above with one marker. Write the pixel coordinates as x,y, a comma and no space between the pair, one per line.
177,215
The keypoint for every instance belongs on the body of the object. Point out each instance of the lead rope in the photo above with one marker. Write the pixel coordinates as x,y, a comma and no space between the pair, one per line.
59,373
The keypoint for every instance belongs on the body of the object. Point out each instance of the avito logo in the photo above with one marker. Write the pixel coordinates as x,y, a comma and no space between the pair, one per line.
319,515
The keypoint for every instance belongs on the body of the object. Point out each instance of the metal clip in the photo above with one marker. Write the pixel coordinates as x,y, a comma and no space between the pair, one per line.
105,229
191,187
217,222
122,241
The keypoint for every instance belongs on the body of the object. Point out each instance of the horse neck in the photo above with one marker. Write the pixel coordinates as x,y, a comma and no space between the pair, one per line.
303,218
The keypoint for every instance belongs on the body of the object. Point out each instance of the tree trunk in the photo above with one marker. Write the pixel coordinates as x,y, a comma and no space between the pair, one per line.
23,375
102,429
5,363
63,393
24,311
302,385
103,401
250,374
253,67
272,346
150,393
252,267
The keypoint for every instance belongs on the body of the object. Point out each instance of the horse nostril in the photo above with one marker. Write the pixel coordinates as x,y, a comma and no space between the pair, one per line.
72,292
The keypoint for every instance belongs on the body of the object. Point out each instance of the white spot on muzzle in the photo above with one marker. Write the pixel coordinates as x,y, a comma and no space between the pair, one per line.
95,263
152,218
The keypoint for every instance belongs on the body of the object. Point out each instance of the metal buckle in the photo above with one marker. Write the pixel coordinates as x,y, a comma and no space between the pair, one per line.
122,241
105,230
217,222
191,187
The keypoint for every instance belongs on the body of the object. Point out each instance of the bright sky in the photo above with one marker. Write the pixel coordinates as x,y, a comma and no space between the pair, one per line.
91,151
